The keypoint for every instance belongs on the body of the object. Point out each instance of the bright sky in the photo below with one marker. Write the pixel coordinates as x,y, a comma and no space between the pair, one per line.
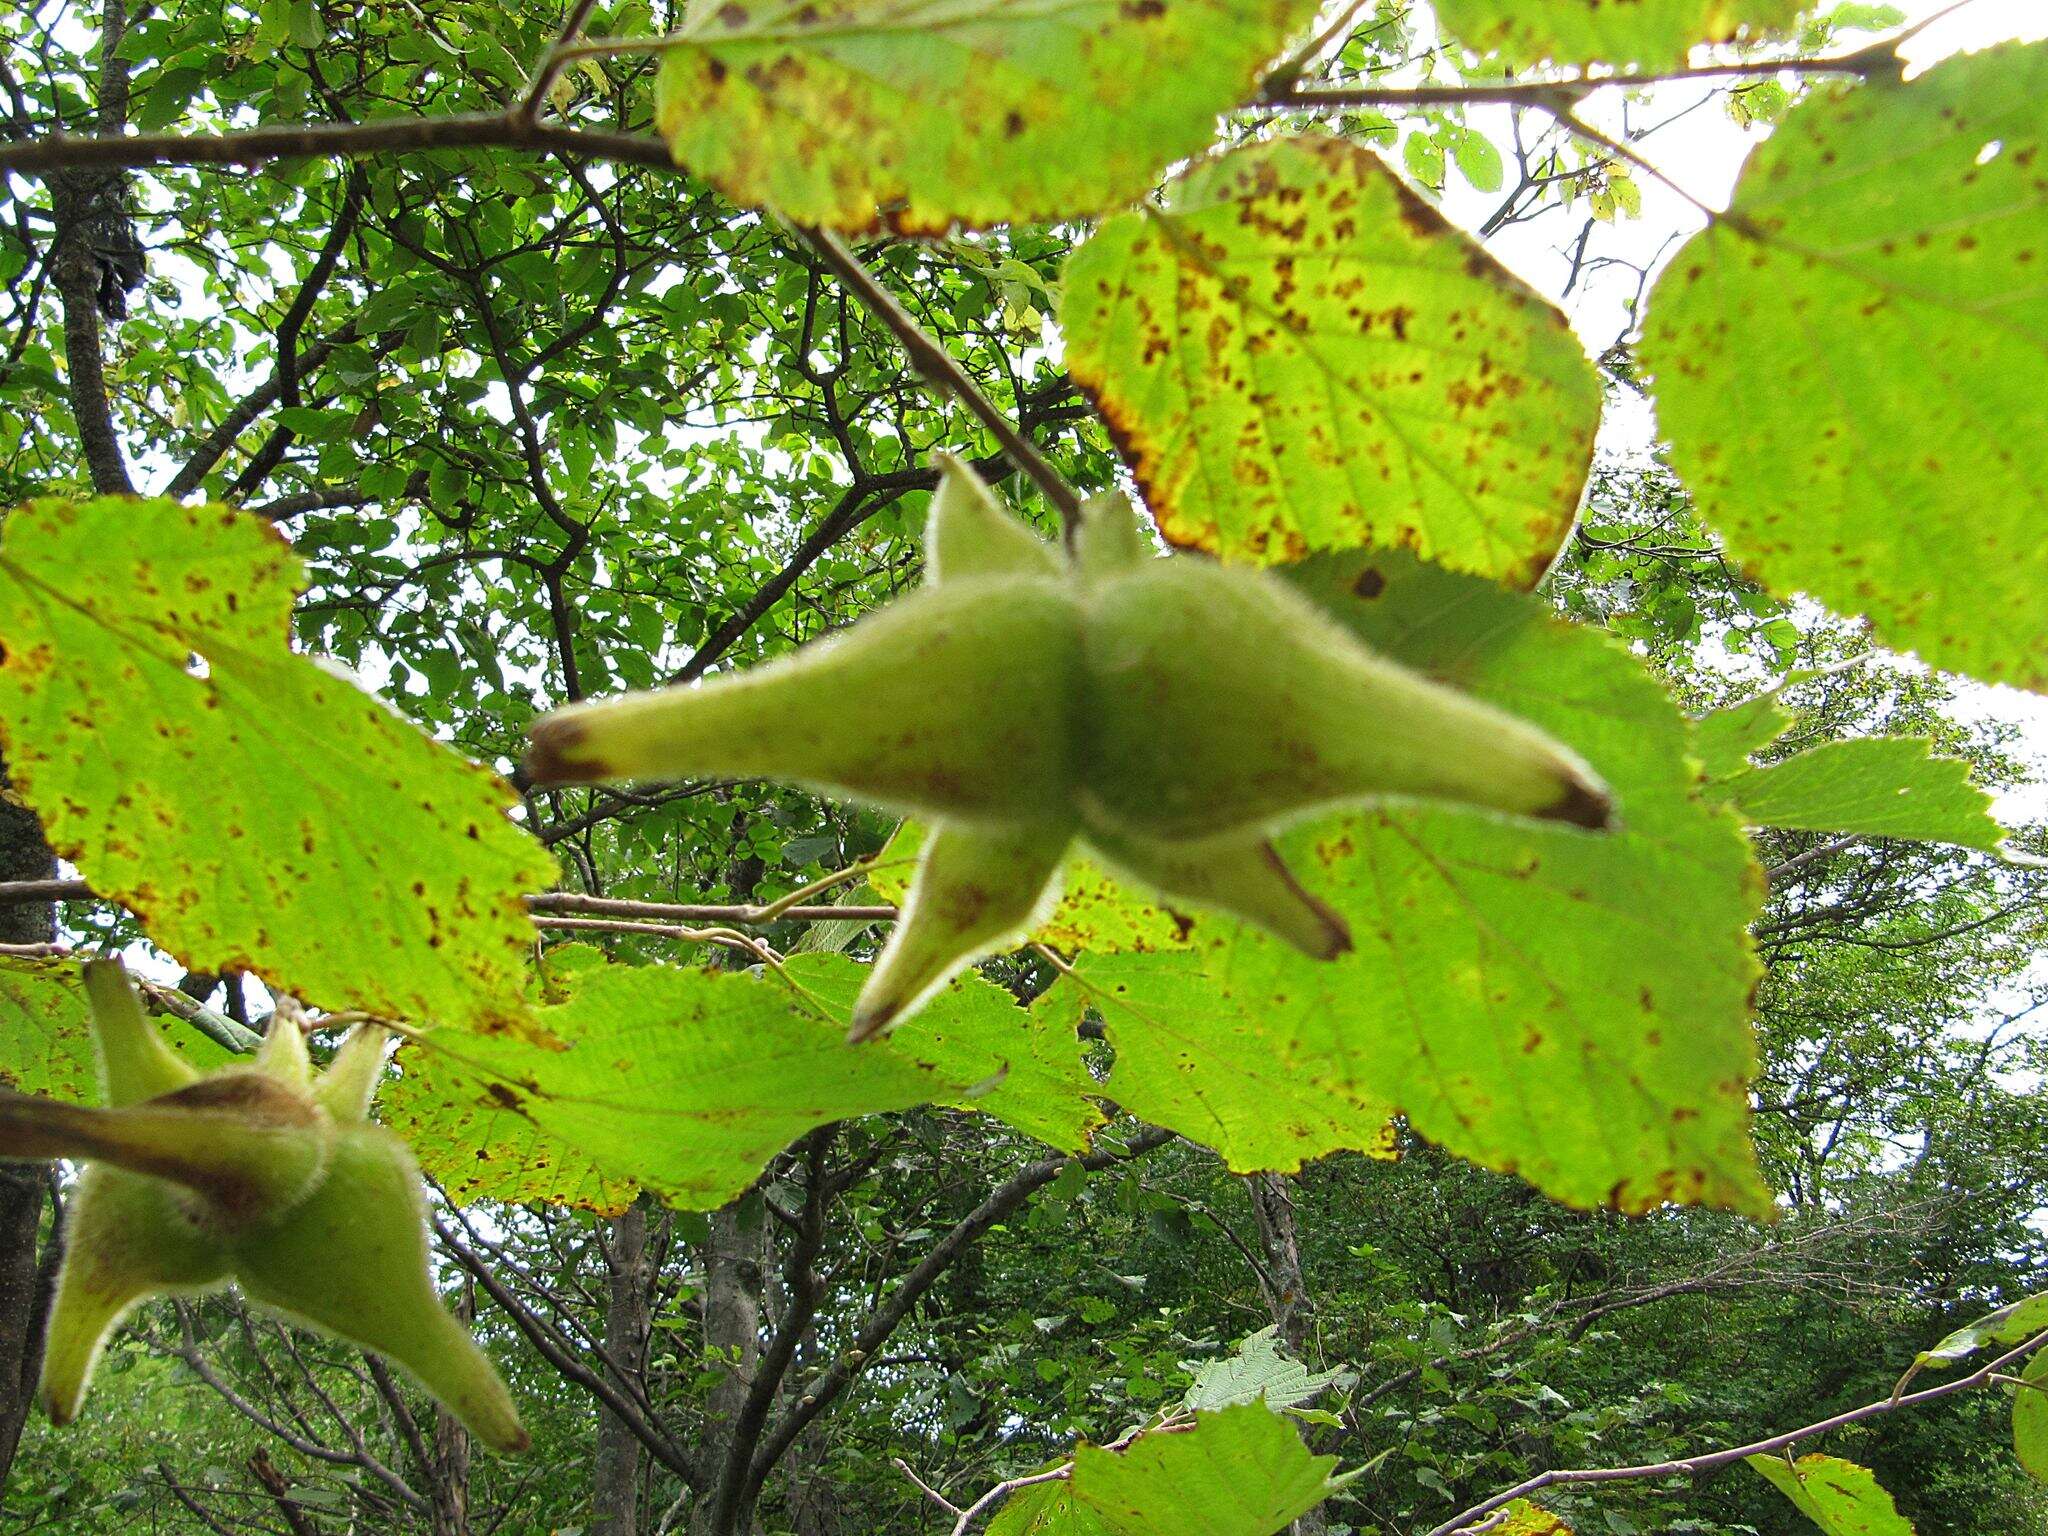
1703,151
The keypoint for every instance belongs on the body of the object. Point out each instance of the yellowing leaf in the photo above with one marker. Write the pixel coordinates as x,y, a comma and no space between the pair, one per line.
1522,1518
686,1082
1568,1006
45,1032
1840,1497
1022,1066
1849,363
1628,32
920,116
1299,354
255,811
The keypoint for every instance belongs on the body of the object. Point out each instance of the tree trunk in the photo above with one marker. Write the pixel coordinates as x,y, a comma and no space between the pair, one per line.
1287,1297
734,1271
615,1485
449,1485
24,1280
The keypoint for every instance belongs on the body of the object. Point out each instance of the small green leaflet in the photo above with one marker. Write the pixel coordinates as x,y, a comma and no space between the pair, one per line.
863,114
1299,354
1585,31
1848,364
686,1082
1258,1372
1241,1472
1840,1497
1726,738
2010,1325
1878,786
260,814
1567,1006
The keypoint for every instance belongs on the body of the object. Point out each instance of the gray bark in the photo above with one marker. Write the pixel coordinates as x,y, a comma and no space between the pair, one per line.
735,1270
1287,1297
615,1484
25,1277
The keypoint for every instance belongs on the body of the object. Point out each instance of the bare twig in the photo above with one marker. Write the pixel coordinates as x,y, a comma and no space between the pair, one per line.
1467,1521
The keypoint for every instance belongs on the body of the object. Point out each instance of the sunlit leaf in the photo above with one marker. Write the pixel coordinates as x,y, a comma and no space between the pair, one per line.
1299,354
1522,1518
1023,1067
2030,1418
684,1082
1840,1497
921,116
1241,1472
1256,1373
1878,786
45,1039
2011,1324
256,811
1570,1006
1726,738
1046,1509
1848,364
1582,31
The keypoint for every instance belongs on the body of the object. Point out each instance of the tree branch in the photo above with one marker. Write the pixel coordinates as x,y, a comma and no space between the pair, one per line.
1692,1466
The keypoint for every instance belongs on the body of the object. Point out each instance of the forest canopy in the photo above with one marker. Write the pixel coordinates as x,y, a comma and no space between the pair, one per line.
1019,769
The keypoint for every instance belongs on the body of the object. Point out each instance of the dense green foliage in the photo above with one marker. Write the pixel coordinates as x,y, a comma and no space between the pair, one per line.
569,367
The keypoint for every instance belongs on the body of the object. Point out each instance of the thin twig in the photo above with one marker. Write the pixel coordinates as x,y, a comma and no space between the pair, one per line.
551,63
934,363
749,915
1464,1523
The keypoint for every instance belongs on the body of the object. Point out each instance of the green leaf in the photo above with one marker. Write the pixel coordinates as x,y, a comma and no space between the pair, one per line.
860,114
1299,354
1093,913
2011,1324
1258,1372
683,1082
266,815
1241,1472
1583,31
1880,786
1840,1497
1046,1509
1848,364
2030,1418
45,1032
1573,1007
1726,738
1025,1067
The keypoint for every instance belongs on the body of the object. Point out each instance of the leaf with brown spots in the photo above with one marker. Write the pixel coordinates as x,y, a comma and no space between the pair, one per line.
1573,1008
1299,354
45,1032
257,812
1659,32
920,117
1840,1497
686,1082
1849,364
